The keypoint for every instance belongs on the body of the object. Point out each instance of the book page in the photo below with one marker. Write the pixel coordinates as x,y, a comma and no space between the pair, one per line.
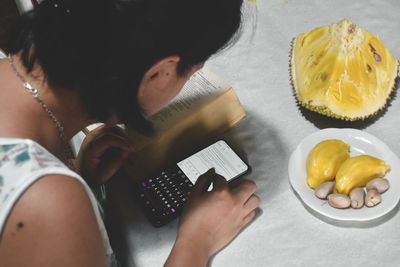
202,87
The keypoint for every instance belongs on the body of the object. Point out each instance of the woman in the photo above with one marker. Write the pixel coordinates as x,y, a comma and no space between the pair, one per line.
72,63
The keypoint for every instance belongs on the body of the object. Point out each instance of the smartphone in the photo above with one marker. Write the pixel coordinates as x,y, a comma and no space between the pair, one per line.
163,196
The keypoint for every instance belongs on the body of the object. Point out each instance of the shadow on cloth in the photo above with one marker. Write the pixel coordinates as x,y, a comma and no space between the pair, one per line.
130,232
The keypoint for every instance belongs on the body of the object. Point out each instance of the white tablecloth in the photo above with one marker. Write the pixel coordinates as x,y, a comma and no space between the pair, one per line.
284,233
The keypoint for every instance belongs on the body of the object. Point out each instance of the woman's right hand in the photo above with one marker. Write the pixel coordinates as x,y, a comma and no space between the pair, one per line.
211,219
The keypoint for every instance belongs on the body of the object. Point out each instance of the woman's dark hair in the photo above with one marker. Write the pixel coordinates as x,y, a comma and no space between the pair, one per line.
104,47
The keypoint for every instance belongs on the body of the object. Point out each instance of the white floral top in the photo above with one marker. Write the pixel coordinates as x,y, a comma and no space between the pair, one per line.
22,163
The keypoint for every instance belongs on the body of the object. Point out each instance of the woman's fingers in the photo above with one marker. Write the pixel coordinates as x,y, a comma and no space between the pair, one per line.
203,182
108,128
251,203
210,177
244,190
102,153
106,141
115,129
217,216
235,183
219,182
109,168
248,218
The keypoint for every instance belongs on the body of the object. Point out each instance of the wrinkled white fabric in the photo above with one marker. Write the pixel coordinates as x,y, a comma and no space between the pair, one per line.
284,233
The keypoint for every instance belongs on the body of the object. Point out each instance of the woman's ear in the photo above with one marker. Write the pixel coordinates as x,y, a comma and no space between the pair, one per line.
159,74
159,85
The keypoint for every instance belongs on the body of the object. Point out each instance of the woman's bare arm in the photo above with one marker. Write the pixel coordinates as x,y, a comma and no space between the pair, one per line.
52,224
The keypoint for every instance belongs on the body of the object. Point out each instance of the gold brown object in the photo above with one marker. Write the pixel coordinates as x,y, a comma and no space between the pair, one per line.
358,171
342,71
324,160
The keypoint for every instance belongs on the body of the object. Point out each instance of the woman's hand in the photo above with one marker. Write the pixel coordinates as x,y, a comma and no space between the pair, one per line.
102,153
211,219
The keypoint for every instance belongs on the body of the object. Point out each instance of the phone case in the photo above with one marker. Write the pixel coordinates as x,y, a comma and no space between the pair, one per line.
163,196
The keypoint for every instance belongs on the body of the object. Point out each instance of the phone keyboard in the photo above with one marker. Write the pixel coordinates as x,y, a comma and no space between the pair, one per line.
162,197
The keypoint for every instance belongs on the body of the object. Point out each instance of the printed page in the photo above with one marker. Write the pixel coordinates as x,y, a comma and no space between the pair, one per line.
199,89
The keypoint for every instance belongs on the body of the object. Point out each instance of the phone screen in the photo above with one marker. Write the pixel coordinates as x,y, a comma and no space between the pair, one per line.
218,155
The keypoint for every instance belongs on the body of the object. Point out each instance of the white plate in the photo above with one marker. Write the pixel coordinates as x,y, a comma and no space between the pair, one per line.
360,143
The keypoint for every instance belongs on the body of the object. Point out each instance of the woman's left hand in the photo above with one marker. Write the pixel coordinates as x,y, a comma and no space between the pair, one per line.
102,153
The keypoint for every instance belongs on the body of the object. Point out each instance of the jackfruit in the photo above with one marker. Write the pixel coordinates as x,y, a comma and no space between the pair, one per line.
357,172
324,160
342,71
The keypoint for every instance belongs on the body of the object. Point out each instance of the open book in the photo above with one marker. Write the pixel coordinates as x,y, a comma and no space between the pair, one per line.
203,110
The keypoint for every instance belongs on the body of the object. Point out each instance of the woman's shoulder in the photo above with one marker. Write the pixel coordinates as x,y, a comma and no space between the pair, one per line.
53,220
2,54
43,208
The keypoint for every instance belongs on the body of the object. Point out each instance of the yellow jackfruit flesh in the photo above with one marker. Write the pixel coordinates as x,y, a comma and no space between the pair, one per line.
324,160
358,171
342,71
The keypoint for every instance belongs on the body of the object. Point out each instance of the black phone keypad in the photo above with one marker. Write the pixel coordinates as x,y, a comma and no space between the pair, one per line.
163,196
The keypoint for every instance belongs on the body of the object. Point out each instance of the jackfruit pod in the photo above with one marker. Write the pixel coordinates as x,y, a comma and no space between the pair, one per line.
358,171
324,160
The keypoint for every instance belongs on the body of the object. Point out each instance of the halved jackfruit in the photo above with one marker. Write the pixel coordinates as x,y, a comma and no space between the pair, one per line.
342,71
